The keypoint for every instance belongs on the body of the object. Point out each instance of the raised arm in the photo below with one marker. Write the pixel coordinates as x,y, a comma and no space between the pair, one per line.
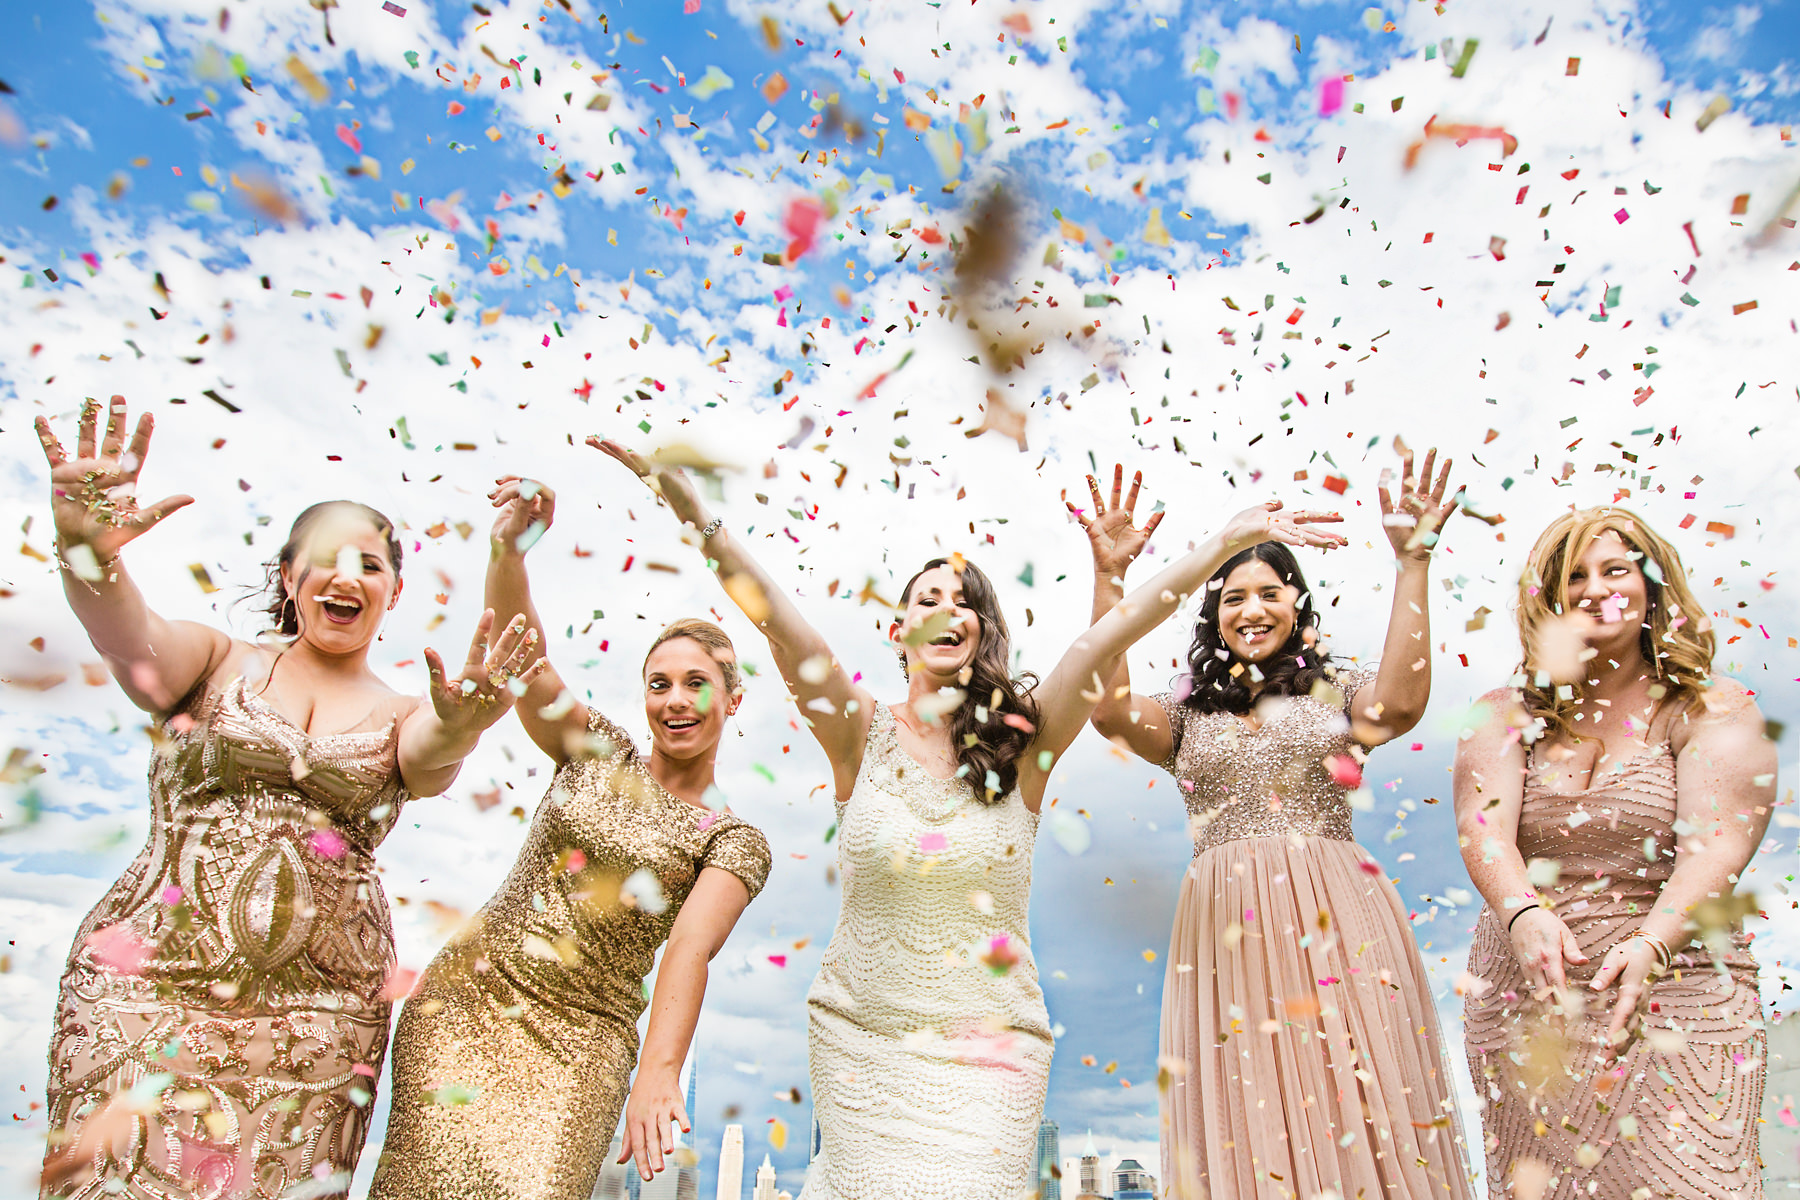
1068,695
553,718
1724,788
834,707
1489,790
705,921
1392,703
436,737
94,505
1121,714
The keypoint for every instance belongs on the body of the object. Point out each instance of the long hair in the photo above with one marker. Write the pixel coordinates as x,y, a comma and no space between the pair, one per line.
714,640
283,613
987,748
1218,681
1676,638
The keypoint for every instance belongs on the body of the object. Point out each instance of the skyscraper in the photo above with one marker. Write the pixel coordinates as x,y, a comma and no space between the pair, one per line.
1132,1182
731,1163
765,1181
1090,1169
1049,1162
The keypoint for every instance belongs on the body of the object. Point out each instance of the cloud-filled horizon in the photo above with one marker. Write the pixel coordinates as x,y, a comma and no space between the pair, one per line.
391,255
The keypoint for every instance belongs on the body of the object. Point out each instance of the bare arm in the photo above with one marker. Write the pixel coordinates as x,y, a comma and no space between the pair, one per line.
834,708
1122,715
93,502
705,921
1392,703
1724,788
553,719
1067,697
1489,791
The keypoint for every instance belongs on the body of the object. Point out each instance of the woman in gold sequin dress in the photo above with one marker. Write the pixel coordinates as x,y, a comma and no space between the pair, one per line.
222,1021
513,1057
1608,801
1295,1005
928,1042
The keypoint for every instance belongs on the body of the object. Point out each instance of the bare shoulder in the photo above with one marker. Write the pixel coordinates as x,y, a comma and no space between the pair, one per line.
1727,711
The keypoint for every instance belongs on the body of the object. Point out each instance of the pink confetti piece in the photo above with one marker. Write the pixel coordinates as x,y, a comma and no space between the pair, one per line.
932,843
327,843
690,6
779,960
119,949
1621,216
1331,96
171,895
1345,771
390,6
348,136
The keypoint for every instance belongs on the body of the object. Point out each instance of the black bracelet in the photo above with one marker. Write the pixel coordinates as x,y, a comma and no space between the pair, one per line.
1527,908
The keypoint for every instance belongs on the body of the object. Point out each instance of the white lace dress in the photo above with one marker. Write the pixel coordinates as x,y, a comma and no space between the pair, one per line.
927,1036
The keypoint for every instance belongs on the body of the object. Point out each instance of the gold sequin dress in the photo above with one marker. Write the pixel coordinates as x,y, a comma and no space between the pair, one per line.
1294,993
513,1056
231,979
1676,1115
927,1040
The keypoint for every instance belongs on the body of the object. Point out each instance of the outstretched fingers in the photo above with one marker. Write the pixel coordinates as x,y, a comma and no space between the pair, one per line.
1155,520
1137,481
140,444
636,462
478,645
145,519
53,449
1118,484
114,441
85,436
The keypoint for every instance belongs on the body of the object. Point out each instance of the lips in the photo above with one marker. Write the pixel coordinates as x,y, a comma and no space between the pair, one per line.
1255,634
341,610
947,638
681,724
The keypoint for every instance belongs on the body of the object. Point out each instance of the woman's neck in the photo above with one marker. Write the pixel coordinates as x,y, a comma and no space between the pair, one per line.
305,659
686,779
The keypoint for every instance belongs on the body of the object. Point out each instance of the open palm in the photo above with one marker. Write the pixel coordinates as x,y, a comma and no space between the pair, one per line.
94,494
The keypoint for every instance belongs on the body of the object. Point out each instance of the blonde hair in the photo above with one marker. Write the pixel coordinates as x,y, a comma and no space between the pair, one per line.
1676,639
714,640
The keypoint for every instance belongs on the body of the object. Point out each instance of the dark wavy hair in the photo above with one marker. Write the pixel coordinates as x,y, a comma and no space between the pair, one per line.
997,745
1292,672
283,613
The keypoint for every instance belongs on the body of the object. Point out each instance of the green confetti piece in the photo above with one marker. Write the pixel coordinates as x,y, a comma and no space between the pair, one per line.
1462,62
763,771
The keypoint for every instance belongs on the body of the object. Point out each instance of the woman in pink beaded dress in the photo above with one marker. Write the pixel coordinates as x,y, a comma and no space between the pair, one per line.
1608,800
1306,1058
223,1017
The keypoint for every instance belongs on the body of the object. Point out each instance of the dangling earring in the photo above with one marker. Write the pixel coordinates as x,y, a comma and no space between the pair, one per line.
905,671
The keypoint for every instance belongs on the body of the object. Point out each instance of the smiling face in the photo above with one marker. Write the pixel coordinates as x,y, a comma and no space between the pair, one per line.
341,583
936,602
1256,611
1609,595
686,699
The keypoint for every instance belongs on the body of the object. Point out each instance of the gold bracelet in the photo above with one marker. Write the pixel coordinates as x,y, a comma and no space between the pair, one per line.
89,569
1665,957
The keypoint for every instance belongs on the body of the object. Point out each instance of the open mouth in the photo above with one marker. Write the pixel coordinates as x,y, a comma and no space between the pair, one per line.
680,724
340,610
947,638
1255,634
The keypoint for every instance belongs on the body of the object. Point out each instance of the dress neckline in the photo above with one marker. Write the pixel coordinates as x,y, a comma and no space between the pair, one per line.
1616,772
894,725
241,685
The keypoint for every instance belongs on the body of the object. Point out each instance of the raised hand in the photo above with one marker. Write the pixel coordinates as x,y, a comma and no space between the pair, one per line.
1112,536
1261,523
94,495
527,510
1413,521
490,681
671,483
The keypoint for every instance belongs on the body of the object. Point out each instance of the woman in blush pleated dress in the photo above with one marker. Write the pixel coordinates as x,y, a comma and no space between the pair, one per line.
1296,1010
928,1042
1609,799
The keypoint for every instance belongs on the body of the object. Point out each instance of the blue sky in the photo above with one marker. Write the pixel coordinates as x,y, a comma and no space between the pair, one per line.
1398,269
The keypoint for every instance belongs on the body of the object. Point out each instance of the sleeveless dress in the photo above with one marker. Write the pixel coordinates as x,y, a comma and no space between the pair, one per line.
231,980
513,1055
928,1043
1294,995
1676,1114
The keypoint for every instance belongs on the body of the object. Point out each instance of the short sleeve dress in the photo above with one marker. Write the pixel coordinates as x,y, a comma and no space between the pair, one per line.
513,1056
1295,996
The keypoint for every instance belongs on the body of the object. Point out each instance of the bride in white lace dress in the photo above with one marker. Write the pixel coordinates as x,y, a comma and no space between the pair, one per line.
928,1041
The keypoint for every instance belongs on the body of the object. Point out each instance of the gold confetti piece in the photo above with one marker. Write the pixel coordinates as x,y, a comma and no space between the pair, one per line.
777,1127
316,88
1720,105
198,570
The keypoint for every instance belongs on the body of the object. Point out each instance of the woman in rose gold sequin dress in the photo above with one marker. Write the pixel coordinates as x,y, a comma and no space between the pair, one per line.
1608,801
513,1057
221,1023
1295,997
